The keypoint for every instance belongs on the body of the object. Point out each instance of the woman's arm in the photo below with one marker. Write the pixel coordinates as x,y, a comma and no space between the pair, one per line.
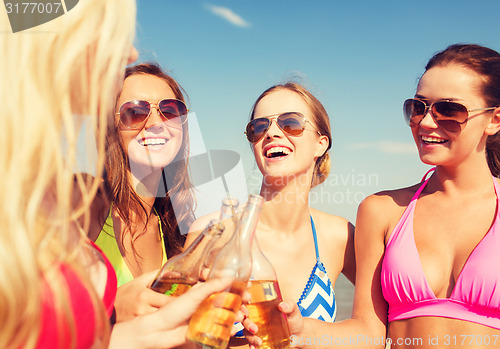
165,328
367,327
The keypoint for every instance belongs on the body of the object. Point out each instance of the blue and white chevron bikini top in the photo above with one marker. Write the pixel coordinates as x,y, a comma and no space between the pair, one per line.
318,299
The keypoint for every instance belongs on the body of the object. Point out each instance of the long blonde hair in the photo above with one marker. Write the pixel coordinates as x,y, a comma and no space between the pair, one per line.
52,78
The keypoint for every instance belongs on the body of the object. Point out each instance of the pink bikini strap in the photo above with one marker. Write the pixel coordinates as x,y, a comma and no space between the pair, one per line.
417,194
425,175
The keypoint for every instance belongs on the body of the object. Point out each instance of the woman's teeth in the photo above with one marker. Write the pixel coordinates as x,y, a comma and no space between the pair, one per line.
428,139
277,151
152,141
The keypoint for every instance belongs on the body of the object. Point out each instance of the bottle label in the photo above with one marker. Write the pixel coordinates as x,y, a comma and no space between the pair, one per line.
172,290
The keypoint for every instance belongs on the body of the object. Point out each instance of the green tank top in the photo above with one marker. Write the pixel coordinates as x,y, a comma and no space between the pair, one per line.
107,242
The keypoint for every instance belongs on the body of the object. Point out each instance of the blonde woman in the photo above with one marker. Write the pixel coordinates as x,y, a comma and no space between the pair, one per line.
56,289
289,131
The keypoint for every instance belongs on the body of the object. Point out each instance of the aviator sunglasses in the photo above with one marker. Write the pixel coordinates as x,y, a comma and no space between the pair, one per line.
291,123
447,114
133,114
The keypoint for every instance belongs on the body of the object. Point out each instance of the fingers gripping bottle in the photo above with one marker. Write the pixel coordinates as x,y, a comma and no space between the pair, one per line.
265,298
181,272
211,324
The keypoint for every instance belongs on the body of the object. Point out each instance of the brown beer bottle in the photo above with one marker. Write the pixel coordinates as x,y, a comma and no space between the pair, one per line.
263,305
211,324
181,272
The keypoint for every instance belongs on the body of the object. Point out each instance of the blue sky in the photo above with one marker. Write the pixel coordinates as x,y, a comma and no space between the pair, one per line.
360,58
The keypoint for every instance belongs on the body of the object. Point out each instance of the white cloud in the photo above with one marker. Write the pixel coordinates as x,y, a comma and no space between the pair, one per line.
387,147
228,15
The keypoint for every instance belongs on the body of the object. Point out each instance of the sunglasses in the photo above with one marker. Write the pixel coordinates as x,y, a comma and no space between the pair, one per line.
133,114
448,115
291,123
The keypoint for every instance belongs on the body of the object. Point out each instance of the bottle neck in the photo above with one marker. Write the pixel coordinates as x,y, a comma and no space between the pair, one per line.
245,228
235,258
203,243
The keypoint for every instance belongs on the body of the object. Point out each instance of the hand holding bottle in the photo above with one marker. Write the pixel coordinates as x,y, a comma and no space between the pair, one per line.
181,272
135,298
212,323
294,318
166,327
263,306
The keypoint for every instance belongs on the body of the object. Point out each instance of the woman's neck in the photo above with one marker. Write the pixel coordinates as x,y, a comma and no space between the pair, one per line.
463,178
146,188
286,207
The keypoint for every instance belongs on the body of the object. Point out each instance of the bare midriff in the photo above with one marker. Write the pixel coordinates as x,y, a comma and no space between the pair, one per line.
441,333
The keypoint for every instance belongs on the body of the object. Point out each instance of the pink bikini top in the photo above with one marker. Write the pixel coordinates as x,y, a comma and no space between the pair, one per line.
476,295
55,333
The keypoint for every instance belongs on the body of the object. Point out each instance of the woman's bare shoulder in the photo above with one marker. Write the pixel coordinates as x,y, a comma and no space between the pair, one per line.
391,199
324,218
381,211
199,225
387,199
331,226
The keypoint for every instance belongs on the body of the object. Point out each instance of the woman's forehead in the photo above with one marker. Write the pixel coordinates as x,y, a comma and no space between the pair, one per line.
281,101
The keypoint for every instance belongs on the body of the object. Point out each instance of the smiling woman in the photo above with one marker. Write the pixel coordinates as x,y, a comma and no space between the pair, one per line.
427,254
290,136
133,220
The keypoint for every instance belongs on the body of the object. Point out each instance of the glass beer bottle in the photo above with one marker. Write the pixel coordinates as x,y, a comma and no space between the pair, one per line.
263,305
230,208
211,324
181,272
229,213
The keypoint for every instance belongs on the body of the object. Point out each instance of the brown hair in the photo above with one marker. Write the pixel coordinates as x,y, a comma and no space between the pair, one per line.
120,190
486,63
320,119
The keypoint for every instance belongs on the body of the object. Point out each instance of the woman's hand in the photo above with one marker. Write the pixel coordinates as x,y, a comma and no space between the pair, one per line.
165,328
294,317
135,298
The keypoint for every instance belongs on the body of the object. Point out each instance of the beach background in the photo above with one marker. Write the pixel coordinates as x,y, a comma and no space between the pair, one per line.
360,58
344,292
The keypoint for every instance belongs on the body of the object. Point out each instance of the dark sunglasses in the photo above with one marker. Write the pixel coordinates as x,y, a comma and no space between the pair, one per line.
447,114
133,114
291,123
